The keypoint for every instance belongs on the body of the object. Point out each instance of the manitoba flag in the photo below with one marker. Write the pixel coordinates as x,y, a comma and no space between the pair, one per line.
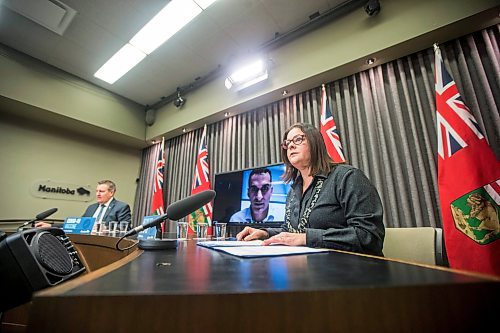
329,130
468,181
201,182
157,205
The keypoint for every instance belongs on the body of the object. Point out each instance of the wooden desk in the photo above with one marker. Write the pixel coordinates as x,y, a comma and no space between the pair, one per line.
99,251
195,289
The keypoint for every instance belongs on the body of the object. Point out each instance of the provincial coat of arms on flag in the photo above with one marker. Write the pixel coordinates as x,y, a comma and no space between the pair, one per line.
476,213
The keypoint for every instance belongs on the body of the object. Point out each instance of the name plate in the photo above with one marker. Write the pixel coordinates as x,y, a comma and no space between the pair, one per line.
149,233
79,225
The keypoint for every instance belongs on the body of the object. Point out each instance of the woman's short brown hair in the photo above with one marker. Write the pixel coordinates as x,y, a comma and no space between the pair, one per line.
320,160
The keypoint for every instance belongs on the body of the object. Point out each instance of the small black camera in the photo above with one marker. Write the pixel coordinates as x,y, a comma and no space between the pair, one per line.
372,7
179,102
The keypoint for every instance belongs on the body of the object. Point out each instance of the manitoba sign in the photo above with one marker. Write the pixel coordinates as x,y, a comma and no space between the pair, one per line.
49,189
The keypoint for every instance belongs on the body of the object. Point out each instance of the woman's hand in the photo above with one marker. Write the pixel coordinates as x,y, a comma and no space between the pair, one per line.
287,238
41,224
249,234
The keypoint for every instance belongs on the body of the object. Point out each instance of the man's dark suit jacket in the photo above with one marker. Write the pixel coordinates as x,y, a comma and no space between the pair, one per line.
117,211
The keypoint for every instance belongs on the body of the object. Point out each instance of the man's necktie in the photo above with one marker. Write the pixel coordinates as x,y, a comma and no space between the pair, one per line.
99,216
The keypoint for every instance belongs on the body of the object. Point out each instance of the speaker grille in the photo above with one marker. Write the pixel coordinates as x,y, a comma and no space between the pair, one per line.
53,255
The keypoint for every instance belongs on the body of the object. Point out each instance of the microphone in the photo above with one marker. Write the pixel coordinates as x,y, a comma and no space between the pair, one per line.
178,210
182,208
40,216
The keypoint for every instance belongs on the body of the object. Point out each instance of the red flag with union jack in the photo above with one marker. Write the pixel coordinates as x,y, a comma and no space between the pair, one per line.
157,205
468,181
201,182
329,130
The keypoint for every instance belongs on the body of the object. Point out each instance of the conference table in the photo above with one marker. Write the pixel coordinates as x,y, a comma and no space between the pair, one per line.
196,289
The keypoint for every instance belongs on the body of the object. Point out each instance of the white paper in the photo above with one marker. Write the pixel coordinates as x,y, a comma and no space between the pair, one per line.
230,243
265,251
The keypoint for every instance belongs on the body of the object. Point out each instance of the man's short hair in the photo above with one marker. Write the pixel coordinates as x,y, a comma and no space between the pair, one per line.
259,171
109,183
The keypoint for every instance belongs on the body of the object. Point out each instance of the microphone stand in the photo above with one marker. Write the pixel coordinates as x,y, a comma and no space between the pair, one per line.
32,222
150,244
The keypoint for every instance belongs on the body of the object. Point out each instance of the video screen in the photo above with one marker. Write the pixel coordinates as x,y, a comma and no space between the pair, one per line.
251,196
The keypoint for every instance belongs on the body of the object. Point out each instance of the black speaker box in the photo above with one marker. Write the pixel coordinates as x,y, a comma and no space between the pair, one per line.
32,260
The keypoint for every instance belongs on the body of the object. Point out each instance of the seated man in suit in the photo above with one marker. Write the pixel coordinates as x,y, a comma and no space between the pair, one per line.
107,208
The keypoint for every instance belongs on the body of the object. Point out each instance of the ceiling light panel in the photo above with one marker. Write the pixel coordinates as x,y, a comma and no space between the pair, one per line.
120,63
204,4
165,24
175,15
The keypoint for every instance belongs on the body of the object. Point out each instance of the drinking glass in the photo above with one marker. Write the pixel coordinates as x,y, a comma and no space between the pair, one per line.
220,230
182,230
201,230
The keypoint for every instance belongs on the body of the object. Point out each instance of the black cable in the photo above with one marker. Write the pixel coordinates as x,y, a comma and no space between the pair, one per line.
125,249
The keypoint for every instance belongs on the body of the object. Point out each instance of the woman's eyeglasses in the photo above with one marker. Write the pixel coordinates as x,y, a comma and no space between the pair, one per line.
297,140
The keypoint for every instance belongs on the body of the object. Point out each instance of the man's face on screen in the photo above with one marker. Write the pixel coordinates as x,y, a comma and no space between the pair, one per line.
260,192
103,193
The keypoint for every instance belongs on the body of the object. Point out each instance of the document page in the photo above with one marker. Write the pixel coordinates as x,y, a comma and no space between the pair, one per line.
231,243
267,251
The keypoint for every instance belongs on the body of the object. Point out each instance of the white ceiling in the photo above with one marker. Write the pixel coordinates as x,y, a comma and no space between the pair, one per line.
226,31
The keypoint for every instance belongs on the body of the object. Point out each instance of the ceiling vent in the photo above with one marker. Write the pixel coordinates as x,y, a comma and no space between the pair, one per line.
52,14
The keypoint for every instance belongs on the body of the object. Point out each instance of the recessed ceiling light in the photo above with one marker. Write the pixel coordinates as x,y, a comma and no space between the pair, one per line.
370,61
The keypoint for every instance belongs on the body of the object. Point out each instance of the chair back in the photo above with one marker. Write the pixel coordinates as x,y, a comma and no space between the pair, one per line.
422,245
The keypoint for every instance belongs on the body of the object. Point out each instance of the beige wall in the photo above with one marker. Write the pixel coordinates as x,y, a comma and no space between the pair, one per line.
42,91
30,152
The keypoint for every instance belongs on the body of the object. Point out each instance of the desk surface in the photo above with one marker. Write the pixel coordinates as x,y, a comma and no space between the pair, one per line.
196,270
187,288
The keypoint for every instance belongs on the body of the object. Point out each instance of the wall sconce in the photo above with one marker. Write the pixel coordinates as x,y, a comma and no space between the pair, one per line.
179,101
247,75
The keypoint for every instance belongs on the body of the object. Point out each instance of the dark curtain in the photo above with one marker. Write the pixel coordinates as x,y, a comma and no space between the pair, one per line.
387,121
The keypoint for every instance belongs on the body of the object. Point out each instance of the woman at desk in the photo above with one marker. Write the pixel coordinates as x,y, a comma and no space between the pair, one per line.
329,205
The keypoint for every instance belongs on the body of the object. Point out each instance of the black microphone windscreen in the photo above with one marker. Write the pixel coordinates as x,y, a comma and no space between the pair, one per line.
46,214
181,208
